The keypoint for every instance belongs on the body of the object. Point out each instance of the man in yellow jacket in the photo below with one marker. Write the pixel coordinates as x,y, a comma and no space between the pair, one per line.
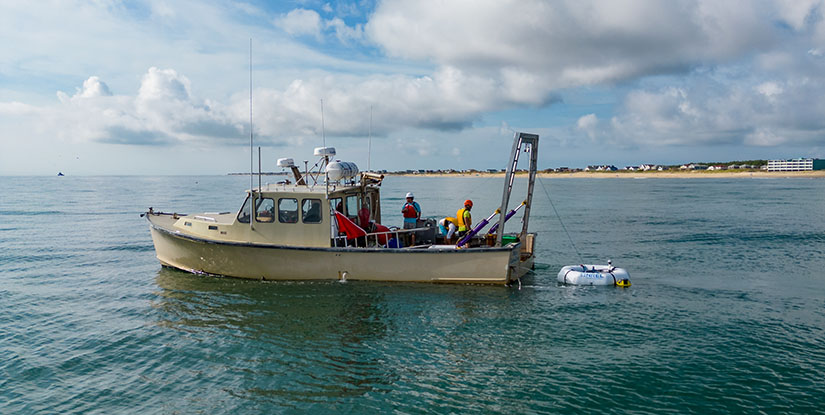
465,219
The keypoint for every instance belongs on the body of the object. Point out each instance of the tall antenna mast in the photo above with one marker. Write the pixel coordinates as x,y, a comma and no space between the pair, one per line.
251,148
369,144
323,133
326,157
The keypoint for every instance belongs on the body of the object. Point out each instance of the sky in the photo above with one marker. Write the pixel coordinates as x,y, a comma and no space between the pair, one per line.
150,87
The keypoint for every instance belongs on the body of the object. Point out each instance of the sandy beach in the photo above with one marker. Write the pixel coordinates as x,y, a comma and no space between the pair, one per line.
697,174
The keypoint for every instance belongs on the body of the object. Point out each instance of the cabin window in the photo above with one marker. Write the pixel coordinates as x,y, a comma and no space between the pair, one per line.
337,203
288,210
311,209
265,211
364,213
352,206
243,215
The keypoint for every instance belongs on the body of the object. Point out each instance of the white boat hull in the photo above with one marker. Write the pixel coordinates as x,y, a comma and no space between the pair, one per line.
495,265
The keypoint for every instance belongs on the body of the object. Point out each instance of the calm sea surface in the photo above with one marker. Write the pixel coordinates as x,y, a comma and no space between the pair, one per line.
726,313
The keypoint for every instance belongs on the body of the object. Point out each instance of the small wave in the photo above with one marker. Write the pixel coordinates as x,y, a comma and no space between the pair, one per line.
129,248
30,212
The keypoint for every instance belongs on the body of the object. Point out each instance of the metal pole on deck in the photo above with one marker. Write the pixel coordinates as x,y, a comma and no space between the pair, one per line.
508,183
531,182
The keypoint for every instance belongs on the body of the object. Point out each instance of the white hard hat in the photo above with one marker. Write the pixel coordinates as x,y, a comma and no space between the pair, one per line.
409,194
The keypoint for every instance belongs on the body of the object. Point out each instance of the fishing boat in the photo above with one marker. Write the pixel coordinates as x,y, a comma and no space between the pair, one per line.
326,224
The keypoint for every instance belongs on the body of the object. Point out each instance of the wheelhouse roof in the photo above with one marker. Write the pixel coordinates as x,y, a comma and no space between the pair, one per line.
318,189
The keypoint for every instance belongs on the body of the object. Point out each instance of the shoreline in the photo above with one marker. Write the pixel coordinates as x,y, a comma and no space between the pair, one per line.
702,174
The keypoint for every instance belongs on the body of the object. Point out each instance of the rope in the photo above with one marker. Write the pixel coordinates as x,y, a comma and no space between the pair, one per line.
468,194
561,222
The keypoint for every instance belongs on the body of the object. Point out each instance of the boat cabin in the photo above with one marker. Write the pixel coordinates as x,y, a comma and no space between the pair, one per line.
297,215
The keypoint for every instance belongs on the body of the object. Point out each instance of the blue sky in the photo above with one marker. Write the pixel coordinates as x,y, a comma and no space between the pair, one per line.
155,87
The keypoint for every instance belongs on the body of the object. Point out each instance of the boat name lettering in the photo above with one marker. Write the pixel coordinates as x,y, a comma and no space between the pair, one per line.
595,275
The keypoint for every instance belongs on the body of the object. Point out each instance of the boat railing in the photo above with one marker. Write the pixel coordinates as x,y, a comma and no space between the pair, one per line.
374,238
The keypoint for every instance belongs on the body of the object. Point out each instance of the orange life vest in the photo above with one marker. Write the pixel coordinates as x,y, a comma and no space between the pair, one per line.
409,211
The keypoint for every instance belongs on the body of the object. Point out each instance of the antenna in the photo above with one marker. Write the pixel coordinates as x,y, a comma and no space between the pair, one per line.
369,144
259,168
326,157
323,133
251,148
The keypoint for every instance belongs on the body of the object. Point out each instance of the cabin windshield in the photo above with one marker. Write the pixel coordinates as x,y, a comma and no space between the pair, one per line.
243,214
264,210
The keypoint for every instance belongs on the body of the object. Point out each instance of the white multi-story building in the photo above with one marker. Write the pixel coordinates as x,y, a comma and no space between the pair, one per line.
799,164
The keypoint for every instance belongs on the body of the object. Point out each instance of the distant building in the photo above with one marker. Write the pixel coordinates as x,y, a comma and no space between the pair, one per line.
603,167
799,164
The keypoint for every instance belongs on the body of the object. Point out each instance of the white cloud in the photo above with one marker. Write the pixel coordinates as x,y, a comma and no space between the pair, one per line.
162,112
300,22
344,33
589,124
571,43
697,71
710,112
16,109
164,84
769,89
797,13
764,137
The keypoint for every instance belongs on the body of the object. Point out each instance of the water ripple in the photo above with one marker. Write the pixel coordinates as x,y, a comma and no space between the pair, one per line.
726,313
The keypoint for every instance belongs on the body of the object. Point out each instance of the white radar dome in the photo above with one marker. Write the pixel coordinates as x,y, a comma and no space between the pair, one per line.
286,163
324,151
341,170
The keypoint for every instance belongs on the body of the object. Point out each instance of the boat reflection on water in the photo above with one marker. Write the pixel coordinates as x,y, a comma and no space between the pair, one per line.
305,340
324,341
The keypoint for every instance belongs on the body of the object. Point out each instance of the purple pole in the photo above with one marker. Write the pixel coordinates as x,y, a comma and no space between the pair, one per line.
476,229
506,218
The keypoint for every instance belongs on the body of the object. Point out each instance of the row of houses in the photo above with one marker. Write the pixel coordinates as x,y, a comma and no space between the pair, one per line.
800,164
720,167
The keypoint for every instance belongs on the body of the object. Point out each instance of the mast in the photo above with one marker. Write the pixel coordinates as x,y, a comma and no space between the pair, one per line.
369,144
323,132
326,157
251,148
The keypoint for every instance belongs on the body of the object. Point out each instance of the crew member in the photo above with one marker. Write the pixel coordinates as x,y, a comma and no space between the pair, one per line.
411,212
448,228
464,218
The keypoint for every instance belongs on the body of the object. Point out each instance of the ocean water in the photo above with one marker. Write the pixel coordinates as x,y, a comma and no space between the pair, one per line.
726,313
